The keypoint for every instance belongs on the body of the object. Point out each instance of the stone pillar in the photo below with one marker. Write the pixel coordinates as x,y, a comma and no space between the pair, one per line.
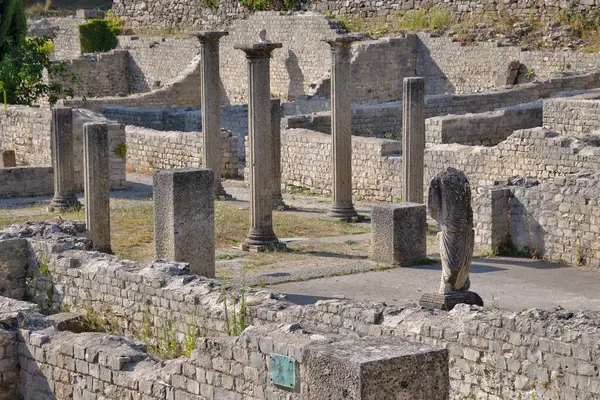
277,203
96,184
184,218
341,128
413,139
210,93
62,159
399,233
261,233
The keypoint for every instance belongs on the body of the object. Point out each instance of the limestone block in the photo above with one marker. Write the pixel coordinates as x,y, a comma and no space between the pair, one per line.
184,218
398,233
7,159
376,368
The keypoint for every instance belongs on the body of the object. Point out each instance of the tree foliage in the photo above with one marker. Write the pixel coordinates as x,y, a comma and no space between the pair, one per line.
97,36
13,25
22,73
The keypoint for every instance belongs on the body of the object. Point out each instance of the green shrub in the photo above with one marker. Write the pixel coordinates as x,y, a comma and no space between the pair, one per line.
97,36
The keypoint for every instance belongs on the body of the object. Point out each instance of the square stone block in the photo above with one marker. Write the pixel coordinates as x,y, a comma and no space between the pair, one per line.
7,159
398,233
377,369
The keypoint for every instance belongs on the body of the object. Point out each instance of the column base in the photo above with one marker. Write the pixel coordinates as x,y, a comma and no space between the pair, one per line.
64,203
345,214
258,243
449,300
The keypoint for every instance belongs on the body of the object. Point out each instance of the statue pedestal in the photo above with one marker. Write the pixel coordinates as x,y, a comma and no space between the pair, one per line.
448,301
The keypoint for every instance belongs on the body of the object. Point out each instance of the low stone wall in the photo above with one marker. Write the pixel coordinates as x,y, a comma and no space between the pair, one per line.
487,129
148,149
27,131
555,220
233,118
491,354
536,153
100,74
574,116
306,162
26,181
13,268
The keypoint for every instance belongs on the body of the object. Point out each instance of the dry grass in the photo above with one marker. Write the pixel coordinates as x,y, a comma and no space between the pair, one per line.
132,225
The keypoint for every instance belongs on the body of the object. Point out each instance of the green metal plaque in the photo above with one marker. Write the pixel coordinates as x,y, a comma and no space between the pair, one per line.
283,370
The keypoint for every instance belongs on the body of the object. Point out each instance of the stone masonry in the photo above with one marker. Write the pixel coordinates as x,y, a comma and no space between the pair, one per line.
491,354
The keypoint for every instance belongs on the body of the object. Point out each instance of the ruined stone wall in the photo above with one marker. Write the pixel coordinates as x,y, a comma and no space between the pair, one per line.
303,60
536,153
306,162
64,32
558,219
191,14
13,267
377,164
26,181
576,116
450,67
100,74
149,149
183,91
27,131
498,354
233,118
369,120
9,364
487,129
157,60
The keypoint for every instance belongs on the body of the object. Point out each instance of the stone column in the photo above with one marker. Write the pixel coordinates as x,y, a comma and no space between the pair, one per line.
341,128
62,159
96,184
277,203
261,233
184,218
210,93
413,139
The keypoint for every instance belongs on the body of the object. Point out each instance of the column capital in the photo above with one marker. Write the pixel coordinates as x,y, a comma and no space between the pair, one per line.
344,40
208,36
257,49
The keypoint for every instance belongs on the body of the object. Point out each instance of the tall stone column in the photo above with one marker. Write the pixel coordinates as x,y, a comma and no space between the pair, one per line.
96,185
62,159
277,202
261,233
184,218
341,128
210,93
413,139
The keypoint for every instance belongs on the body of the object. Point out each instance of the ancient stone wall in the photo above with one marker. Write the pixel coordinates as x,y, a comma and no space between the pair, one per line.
191,14
26,181
306,162
450,67
487,129
27,131
99,74
183,91
9,364
13,267
497,355
576,116
557,219
64,32
156,61
536,153
149,149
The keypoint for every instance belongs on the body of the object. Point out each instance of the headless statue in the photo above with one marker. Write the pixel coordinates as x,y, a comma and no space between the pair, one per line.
449,204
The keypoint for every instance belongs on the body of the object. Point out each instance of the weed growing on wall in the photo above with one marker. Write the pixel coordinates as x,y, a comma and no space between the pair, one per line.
235,314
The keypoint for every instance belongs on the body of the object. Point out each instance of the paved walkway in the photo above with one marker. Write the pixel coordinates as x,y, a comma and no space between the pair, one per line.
510,283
